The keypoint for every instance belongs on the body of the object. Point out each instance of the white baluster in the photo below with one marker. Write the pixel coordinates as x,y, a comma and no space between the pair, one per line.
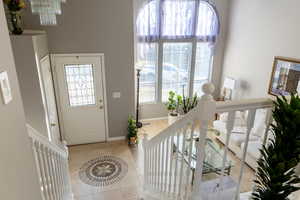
250,123
167,170
171,163
151,166
146,163
50,174
63,189
176,163
182,160
52,167
53,175
156,167
159,170
58,175
162,166
45,166
35,147
64,166
206,116
229,128
56,178
190,149
70,194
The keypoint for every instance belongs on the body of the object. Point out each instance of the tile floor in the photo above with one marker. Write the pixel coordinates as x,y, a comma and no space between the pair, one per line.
130,187
127,189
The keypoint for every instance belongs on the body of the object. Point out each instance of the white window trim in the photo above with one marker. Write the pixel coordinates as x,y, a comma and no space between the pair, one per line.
191,70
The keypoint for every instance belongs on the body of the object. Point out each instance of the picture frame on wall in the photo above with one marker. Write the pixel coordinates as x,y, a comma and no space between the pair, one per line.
285,78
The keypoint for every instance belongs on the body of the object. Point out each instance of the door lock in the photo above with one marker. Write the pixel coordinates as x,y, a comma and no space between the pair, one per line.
52,124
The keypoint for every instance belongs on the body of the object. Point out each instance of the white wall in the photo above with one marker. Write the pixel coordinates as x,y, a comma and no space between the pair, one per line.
18,178
258,31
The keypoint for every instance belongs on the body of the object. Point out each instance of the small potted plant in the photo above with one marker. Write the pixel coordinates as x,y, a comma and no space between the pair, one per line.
132,131
189,103
173,104
15,7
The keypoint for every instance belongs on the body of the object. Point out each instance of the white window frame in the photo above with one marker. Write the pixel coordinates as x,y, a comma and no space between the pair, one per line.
191,71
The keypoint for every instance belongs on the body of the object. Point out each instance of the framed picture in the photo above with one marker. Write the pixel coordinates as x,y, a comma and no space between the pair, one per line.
285,77
5,87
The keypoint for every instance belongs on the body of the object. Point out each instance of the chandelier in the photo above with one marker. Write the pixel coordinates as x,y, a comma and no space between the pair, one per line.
47,10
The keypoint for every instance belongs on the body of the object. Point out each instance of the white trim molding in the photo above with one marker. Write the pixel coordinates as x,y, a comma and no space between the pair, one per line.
110,139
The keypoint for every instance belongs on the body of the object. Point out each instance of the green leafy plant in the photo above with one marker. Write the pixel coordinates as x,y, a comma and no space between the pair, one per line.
189,103
276,178
132,129
174,102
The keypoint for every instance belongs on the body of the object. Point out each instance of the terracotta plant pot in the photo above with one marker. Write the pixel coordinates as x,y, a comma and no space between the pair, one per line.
132,140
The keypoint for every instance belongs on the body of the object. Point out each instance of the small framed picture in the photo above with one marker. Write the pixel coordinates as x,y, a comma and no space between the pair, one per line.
285,78
5,88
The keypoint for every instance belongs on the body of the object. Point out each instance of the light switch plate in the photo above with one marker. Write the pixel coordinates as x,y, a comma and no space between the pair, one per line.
116,95
5,88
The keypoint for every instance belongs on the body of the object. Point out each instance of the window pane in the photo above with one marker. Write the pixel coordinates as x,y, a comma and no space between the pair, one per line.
147,23
208,24
147,61
176,65
80,84
202,66
178,18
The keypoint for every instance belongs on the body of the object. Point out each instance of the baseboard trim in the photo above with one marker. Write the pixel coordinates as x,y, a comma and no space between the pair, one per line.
116,138
153,119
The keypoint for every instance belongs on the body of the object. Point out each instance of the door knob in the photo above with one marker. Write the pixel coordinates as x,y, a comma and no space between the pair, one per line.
101,107
52,124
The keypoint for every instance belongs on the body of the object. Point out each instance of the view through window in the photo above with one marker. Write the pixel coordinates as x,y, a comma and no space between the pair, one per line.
175,47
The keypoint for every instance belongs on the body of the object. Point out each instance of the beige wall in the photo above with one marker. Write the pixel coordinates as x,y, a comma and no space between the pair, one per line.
18,178
28,50
99,26
258,31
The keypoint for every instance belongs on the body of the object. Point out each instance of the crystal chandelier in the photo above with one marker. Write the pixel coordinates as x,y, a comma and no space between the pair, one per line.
47,10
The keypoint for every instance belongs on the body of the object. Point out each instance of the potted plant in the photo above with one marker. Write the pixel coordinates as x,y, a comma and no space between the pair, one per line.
15,7
189,103
132,131
173,104
276,177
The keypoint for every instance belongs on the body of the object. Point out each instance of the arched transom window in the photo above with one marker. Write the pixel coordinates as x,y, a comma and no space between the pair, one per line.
175,40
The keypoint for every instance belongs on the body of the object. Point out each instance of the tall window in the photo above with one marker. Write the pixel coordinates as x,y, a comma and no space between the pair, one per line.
175,47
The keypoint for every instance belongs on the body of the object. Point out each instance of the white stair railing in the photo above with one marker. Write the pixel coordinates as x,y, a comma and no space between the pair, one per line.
168,166
52,166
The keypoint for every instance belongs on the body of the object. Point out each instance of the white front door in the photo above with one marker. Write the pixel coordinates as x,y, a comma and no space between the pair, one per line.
81,94
49,96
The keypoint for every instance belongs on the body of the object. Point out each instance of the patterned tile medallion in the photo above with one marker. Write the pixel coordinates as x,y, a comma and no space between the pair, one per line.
103,171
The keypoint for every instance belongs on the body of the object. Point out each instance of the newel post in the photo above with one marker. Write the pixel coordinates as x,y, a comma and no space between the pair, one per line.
207,110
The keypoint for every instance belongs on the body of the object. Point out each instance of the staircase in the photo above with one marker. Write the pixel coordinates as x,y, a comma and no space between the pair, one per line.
171,169
52,167
174,160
